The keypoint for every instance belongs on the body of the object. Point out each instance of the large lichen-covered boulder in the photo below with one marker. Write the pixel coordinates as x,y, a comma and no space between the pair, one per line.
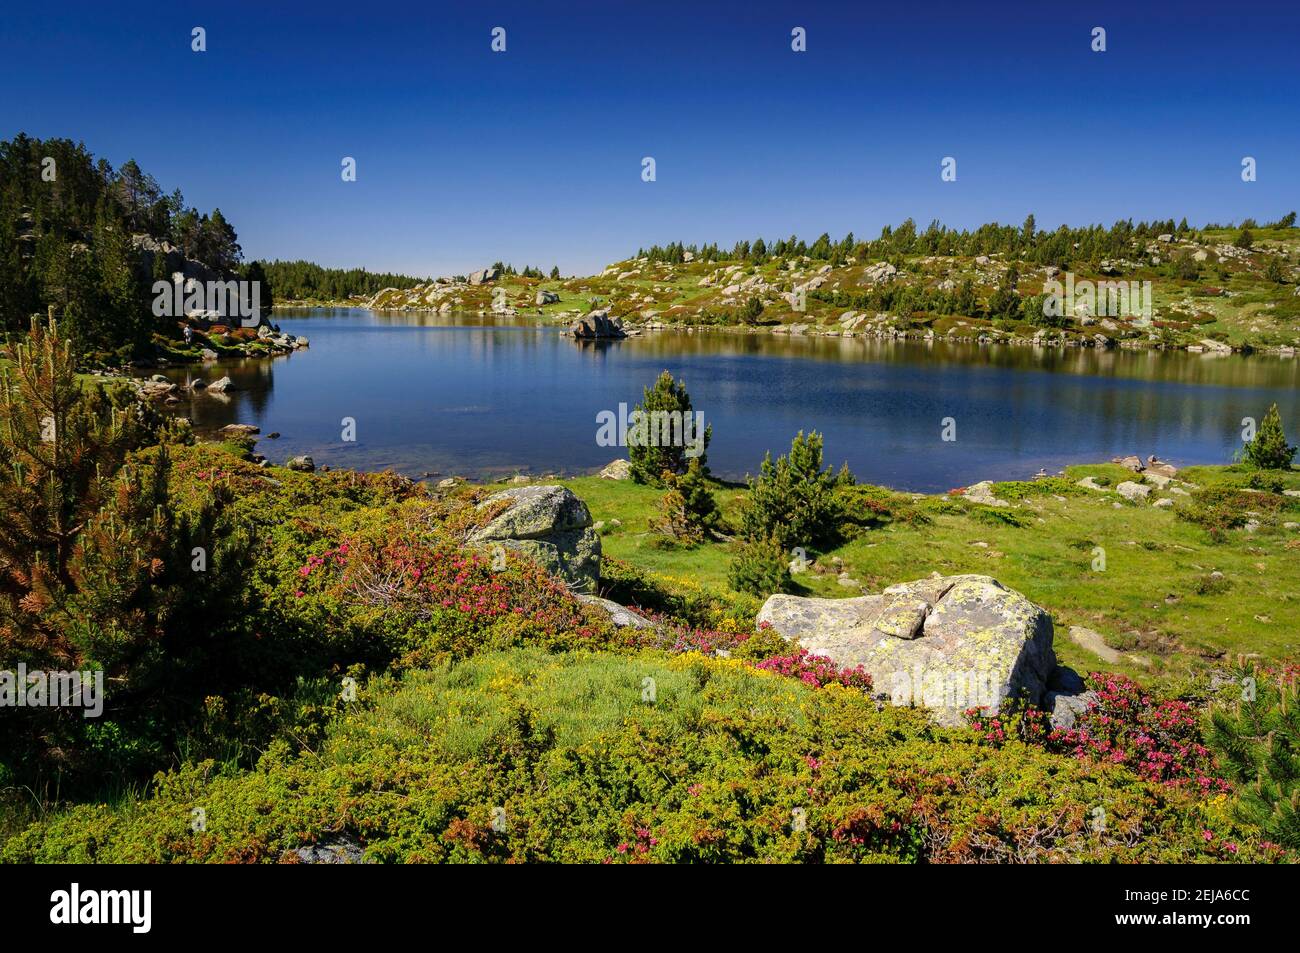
549,525
946,643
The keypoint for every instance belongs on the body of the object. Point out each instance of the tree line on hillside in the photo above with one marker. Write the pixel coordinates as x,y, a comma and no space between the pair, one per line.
1027,243
305,281
529,272
69,225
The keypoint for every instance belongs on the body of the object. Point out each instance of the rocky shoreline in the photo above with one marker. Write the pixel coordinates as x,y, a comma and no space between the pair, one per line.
851,325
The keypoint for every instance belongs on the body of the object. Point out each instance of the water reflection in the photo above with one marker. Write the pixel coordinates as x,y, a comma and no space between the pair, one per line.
485,396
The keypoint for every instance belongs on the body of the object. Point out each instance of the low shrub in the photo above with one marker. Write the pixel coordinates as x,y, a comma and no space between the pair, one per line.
529,756
760,567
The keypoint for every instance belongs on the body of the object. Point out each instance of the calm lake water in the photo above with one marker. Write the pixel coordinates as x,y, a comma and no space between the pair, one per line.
480,397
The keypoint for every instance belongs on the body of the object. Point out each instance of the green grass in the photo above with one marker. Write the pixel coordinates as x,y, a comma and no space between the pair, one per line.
681,569
1154,599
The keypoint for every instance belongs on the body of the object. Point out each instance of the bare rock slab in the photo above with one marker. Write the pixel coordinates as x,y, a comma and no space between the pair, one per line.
946,643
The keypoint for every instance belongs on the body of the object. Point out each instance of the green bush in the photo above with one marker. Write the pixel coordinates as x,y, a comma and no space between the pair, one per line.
1269,450
793,500
1255,730
649,453
760,567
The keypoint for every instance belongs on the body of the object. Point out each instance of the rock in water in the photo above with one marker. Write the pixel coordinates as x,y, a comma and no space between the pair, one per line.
946,643
303,464
597,324
549,525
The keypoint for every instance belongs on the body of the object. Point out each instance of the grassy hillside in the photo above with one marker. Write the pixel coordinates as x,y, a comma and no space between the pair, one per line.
1158,600
1204,287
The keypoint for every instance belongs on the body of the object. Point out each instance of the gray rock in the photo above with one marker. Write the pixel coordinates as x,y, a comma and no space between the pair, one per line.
1065,708
549,525
340,851
221,385
303,464
485,275
982,492
1094,643
617,470
597,324
621,616
546,297
240,430
903,617
1136,492
978,643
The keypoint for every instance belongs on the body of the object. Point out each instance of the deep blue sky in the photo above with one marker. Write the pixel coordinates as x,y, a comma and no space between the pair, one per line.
533,156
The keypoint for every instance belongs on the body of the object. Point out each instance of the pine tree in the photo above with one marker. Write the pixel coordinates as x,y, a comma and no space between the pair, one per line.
793,500
60,445
1256,736
1273,271
687,511
664,411
96,556
760,567
1269,449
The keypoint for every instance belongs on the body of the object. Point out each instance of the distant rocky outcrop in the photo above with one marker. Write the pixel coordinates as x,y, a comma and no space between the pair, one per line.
484,275
549,525
619,469
946,643
597,324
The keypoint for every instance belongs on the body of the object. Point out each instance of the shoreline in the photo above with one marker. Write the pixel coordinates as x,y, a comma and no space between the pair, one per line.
985,337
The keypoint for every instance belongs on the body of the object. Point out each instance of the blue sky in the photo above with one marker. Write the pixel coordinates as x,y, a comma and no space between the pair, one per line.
534,155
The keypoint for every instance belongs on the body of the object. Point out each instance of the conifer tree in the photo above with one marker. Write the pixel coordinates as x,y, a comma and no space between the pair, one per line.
1269,449
1256,736
651,455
